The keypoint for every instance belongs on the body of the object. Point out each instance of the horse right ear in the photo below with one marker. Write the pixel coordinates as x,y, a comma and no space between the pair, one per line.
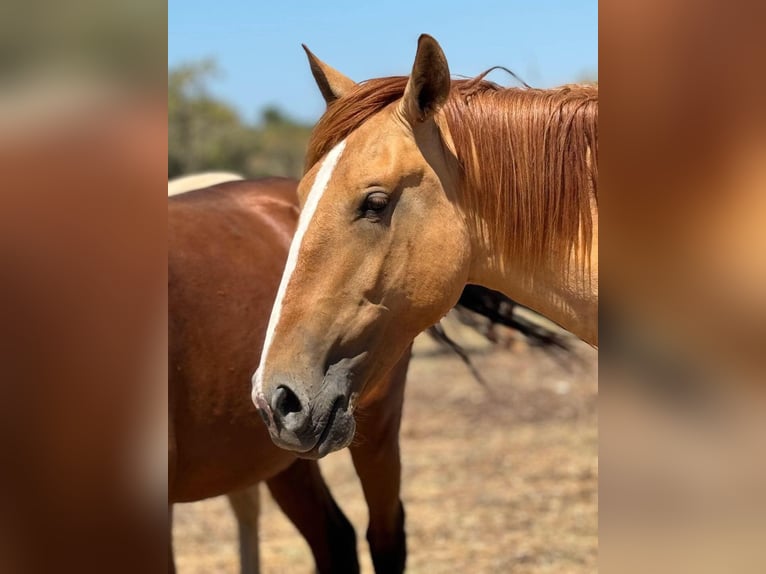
429,83
331,82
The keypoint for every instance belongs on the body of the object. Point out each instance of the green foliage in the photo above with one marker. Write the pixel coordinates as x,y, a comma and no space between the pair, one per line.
207,134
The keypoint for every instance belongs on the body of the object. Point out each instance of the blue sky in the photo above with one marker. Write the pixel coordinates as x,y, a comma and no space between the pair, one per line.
257,43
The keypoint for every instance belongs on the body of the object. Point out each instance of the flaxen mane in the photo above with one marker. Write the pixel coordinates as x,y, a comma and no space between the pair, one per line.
528,160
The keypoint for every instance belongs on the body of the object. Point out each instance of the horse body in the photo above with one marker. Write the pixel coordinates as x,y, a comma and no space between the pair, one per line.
416,186
223,263
226,252
195,181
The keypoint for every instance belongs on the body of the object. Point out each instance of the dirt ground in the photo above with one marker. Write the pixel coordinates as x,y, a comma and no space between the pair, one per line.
504,480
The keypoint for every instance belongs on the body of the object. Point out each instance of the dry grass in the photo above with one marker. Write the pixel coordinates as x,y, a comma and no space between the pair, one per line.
495,481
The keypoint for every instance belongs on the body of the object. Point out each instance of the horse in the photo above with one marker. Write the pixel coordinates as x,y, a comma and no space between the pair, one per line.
194,181
245,503
416,186
227,247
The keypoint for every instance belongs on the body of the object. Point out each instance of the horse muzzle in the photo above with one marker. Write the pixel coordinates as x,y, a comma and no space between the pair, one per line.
310,426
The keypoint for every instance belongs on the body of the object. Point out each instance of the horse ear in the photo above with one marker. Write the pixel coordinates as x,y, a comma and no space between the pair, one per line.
331,82
429,83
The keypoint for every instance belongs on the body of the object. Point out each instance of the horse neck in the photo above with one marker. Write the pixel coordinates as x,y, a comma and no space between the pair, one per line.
571,302
568,298
524,171
525,174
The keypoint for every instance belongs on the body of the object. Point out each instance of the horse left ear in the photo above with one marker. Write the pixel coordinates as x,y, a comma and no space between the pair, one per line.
429,83
331,82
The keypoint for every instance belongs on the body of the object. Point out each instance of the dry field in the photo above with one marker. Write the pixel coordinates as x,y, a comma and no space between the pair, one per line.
503,480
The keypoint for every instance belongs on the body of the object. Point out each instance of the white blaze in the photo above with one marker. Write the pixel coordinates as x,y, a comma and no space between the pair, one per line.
312,201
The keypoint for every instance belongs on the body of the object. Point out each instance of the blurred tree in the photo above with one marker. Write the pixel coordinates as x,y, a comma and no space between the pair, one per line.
206,134
281,145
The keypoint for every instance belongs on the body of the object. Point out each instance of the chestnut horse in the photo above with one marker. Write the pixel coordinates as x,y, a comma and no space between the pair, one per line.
226,252
414,187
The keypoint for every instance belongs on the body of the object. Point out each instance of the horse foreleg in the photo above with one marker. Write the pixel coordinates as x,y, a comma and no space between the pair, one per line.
246,505
377,462
301,493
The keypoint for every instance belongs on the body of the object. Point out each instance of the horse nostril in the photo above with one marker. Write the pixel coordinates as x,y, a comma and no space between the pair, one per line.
284,401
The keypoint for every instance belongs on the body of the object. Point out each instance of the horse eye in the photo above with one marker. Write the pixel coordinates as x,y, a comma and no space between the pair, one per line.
375,203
